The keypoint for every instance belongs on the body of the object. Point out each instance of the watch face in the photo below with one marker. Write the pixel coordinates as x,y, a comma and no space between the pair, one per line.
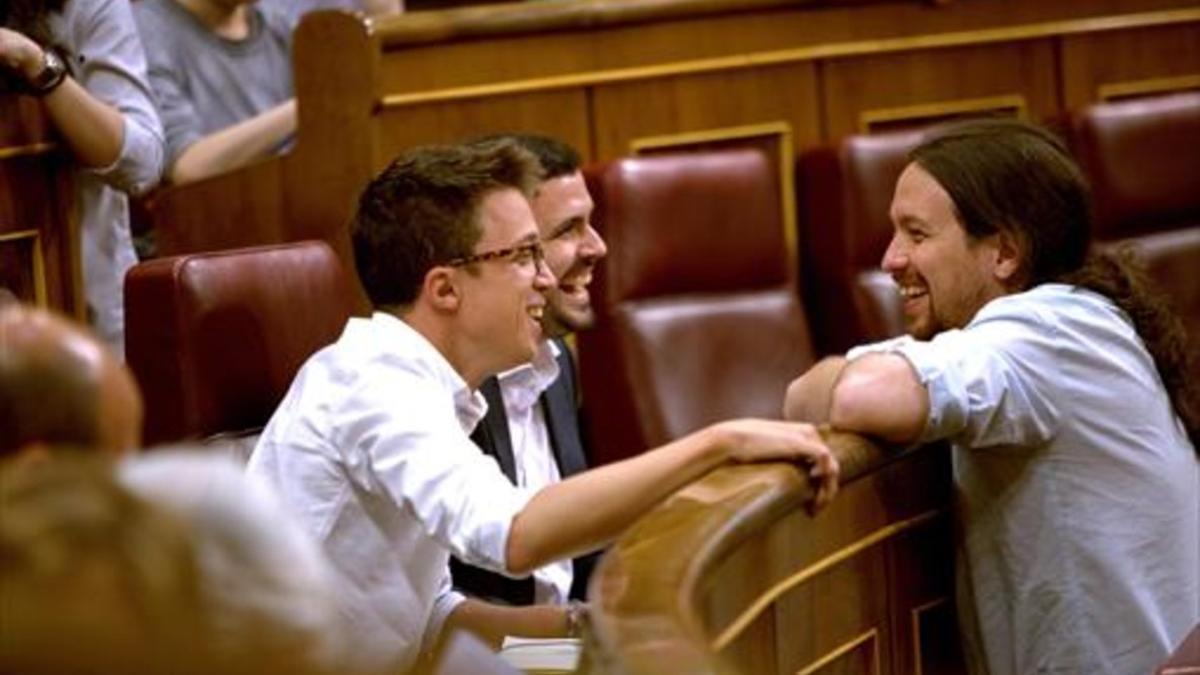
52,75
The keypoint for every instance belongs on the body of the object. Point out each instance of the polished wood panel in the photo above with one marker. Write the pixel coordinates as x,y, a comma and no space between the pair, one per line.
239,209
623,112
562,114
1091,62
39,228
859,90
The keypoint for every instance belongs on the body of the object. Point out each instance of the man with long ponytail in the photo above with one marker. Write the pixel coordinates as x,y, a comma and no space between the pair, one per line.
1059,378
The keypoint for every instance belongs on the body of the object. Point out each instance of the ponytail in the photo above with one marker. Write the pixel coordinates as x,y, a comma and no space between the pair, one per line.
1120,278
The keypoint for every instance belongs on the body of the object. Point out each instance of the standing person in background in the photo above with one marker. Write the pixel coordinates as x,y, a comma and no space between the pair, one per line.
222,78
83,59
1061,381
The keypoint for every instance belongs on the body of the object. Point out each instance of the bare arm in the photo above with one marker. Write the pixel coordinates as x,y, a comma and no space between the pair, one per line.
93,129
880,395
491,623
809,396
591,508
235,146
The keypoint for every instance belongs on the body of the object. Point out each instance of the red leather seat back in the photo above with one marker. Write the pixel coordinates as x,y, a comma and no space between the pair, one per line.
1142,157
214,339
698,317
845,192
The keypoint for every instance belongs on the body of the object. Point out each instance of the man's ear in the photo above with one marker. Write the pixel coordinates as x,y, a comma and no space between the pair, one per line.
1009,254
441,289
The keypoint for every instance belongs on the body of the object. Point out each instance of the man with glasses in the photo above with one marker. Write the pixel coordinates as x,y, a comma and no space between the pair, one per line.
532,427
369,448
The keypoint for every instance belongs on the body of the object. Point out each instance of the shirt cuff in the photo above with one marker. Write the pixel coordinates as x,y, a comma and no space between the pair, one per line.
489,549
929,374
443,605
139,164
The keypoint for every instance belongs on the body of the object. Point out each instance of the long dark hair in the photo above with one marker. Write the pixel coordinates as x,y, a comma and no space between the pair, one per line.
1004,174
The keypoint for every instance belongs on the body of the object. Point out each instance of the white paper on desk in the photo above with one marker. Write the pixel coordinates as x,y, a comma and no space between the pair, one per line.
541,655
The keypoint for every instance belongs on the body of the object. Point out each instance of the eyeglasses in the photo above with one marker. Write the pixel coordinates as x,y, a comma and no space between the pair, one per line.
523,254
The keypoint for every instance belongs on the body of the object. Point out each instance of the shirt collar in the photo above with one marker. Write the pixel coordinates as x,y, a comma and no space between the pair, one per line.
469,406
523,385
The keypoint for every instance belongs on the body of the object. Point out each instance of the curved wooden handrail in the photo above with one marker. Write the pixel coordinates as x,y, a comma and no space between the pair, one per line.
554,16
644,595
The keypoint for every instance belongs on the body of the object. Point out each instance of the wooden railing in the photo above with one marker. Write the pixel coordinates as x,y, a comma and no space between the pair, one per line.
732,575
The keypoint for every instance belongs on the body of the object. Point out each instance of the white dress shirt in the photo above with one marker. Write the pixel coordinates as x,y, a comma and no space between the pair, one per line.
533,457
1077,488
369,449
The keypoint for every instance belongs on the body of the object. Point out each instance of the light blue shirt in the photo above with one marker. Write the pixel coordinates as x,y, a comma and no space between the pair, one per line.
369,451
1078,491
106,58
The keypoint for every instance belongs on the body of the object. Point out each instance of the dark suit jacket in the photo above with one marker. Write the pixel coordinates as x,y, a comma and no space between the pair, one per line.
562,422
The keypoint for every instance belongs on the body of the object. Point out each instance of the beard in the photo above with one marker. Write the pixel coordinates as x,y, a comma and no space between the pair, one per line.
562,316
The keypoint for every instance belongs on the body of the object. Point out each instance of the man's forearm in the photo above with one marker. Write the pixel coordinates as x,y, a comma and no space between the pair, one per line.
591,508
810,395
93,129
492,622
235,146
600,503
880,395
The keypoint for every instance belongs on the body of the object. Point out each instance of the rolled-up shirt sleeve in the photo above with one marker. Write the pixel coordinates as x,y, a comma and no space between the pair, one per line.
111,66
990,384
457,494
446,601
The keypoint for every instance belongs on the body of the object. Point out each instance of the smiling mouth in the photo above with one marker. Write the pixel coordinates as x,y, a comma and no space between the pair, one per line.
577,288
913,292
536,311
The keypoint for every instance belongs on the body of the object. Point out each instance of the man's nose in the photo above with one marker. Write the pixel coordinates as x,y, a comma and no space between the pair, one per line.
894,257
543,278
593,246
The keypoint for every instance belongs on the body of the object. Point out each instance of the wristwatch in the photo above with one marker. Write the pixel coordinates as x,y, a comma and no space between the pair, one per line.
53,72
